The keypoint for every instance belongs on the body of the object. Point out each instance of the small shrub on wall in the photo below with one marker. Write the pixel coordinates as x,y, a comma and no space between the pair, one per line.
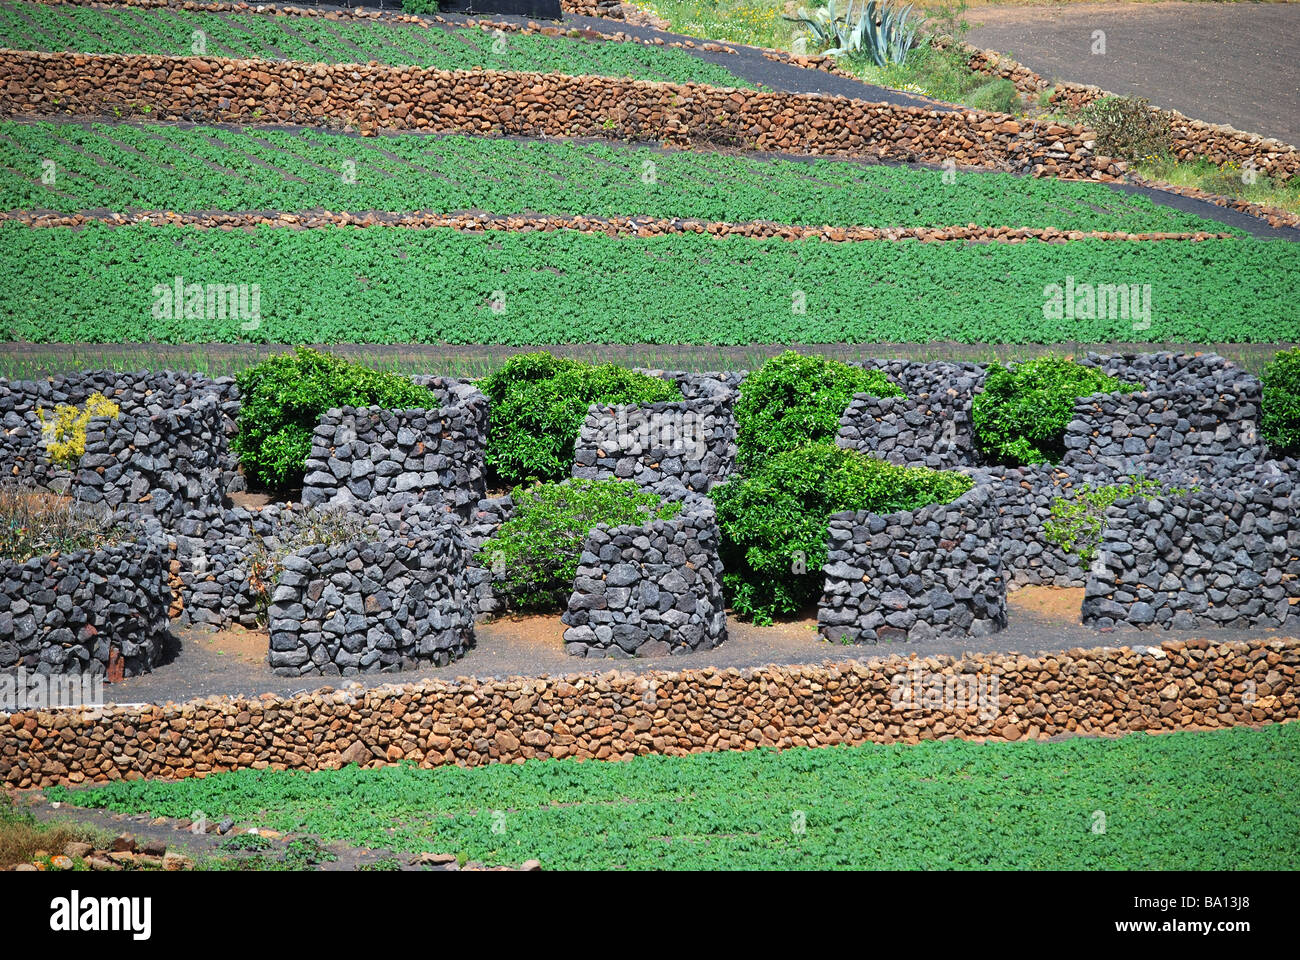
64,433
1021,416
792,400
283,398
534,555
1280,418
537,405
1128,128
773,523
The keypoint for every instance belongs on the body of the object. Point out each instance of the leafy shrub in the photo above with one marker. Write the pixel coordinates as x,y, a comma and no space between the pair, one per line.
1021,416
1128,128
34,523
794,399
534,555
1077,524
65,434
419,6
1280,417
283,398
538,402
998,96
773,523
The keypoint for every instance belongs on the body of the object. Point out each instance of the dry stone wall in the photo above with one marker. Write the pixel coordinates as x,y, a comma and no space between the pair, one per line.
372,605
98,611
649,590
670,448
1105,691
214,89
1223,556
403,456
914,575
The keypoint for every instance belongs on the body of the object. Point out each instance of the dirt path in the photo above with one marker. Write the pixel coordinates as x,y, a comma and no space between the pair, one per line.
1040,619
1234,63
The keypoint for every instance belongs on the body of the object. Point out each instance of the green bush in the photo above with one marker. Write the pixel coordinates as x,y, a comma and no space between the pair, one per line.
1280,418
534,555
419,6
1021,416
794,399
1128,128
773,523
281,400
538,402
1077,524
999,96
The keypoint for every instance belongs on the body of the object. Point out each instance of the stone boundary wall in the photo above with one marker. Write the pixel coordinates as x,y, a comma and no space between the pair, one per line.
1228,556
909,431
649,590
914,575
485,521
164,464
90,611
1195,429
403,456
214,89
1023,497
369,606
670,448
617,716
141,393
1192,139
1166,370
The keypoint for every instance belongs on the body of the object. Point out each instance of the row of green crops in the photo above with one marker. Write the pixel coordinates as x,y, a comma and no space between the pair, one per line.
35,26
1084,804
391,285
161,167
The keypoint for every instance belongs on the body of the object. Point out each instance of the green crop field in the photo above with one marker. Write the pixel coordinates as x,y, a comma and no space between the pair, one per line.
1191,801
120,167
395,285
35,26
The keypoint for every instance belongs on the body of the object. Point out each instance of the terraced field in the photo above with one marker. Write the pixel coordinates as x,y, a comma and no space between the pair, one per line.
395,285
121,167
35,26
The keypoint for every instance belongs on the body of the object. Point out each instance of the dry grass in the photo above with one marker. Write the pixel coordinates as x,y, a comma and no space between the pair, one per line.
37,522
23,837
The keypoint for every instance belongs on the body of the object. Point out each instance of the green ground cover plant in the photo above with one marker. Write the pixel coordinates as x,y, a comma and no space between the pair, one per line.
387,285
123,167
1021,416
773,522
794,399
936,805
538,402
534,555
282,399
1078,522
35,26
1280,410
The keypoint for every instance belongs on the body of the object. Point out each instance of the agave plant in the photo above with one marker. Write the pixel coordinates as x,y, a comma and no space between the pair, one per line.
871,29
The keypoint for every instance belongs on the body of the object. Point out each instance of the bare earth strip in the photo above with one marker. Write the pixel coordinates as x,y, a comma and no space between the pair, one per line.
1233,63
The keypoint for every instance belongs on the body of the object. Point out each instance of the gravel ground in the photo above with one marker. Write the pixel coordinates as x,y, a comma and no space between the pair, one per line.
1233,63
531,648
